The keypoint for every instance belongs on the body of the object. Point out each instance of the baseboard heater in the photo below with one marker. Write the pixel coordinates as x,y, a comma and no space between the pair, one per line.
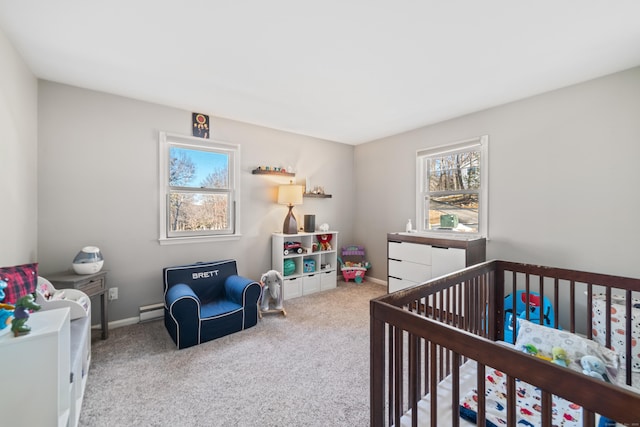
151,312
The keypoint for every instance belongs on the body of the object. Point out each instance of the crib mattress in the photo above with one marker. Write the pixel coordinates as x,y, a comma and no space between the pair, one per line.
468,375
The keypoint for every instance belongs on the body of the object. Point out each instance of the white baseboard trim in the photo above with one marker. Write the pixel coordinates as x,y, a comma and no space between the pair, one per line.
121,323
153,313
368,279
377,281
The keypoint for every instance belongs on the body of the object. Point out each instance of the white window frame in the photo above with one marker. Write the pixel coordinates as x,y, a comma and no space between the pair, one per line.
422,193
168,140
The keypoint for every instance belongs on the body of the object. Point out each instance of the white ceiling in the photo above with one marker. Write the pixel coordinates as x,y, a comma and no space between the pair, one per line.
344,70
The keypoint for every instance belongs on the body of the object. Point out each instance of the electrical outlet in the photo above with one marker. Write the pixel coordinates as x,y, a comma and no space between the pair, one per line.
113,293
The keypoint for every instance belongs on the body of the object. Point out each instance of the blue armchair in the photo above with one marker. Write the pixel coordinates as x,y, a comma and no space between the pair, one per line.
205,301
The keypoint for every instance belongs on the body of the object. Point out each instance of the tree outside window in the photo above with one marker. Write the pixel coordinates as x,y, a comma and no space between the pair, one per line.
197,187
452,188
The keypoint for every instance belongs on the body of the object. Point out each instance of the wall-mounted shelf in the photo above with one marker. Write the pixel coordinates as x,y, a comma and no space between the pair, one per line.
270,172
317,196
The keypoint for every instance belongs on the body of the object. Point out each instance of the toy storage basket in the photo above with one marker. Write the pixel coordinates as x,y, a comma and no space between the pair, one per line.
353,264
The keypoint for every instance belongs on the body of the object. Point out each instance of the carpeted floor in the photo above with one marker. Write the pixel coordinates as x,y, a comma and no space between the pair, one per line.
308,369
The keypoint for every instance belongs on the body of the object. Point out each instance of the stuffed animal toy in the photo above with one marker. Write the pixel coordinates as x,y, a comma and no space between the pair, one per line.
6,310
21,315
560,356
325,241
271,282
594,367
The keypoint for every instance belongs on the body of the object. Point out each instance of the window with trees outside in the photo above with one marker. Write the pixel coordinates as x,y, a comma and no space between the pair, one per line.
452,189
198,188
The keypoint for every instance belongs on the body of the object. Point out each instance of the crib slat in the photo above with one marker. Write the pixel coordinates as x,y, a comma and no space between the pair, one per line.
414,377
590,308
481,395
608,317
572,306
514,313
433,386
455,392
556,299
391,372
398,377
546,409
541,288
588,418
628,327
511,401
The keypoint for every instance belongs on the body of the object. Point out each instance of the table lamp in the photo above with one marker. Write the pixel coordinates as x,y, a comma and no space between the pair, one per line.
290,195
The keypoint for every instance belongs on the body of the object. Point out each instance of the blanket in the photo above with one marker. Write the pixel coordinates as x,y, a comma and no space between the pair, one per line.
528,404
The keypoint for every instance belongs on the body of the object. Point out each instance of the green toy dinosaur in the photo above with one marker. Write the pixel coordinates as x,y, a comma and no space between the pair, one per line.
21,314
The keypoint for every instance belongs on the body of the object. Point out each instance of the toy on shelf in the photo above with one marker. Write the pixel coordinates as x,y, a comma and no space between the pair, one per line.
325,241
292,247
21,315
289,267
309,266
353,263
50,298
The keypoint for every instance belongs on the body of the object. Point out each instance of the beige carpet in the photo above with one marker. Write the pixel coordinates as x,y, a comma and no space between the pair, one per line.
308,369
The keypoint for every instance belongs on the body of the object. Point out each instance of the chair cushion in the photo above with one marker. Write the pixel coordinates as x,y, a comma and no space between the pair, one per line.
217,308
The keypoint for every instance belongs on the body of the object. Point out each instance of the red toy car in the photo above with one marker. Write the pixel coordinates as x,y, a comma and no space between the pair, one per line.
290,247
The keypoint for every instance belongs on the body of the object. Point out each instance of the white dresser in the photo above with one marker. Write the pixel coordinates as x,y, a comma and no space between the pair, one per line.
414,258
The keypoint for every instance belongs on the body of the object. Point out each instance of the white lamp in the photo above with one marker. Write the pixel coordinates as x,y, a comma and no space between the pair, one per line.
290,195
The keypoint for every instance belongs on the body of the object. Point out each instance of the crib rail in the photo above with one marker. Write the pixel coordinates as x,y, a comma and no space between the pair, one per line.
421,335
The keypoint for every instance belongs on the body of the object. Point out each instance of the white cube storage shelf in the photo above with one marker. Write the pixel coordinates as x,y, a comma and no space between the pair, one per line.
305,281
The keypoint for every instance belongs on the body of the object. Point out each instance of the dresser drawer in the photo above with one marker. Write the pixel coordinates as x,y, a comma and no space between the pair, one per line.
93,287
398,284
410,252
409,270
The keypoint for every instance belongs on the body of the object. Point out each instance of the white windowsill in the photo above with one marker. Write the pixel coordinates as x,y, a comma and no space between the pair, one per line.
199,239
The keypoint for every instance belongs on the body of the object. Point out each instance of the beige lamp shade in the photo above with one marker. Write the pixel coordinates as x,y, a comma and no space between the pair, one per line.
290,194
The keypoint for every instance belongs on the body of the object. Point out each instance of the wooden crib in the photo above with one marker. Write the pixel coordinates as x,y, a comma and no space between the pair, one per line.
423,339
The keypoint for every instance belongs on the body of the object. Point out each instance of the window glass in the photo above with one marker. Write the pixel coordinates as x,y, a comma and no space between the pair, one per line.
198,168
452,190
198,188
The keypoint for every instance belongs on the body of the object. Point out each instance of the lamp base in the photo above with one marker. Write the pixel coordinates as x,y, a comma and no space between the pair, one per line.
290,224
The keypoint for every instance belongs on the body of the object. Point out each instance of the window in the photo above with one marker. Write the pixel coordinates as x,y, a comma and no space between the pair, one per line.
452,190
198,189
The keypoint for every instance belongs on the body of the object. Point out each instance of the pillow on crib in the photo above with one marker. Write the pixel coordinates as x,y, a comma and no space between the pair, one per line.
545,338
618,325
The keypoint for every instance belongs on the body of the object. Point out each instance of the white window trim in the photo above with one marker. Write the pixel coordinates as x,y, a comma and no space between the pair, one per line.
165,139
483,214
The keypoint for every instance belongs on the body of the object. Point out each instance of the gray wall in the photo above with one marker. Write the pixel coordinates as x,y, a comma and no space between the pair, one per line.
18,158
562,174
98,185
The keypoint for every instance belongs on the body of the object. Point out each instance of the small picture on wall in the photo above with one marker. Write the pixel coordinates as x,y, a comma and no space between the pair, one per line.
200,125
